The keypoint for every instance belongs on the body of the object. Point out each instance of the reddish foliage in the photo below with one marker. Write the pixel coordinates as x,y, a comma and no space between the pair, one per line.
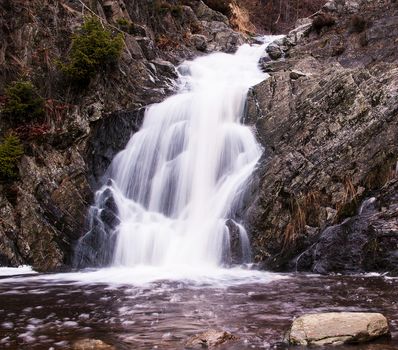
56,112
32,131
166,43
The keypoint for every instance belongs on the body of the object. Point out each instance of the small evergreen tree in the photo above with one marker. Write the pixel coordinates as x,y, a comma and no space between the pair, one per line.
93,48
11,150
23,103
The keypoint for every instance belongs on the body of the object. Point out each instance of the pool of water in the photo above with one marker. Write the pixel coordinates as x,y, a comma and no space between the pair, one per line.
53,311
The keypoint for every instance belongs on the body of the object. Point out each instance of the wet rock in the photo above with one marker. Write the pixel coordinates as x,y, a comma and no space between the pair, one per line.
222,37
165,69
370,239
274,51
199,41
110,135
337,328
274,66
209,339
296,74
239,244
97,245
92,344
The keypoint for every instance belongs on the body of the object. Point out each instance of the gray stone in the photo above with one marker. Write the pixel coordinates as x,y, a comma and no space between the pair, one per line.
199,41
337,328
274,51
301,31
296,74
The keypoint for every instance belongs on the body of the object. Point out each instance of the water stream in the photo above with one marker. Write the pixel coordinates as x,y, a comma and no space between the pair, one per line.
176,186
51,312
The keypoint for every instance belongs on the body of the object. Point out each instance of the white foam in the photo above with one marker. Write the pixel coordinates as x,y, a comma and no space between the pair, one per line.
145,275
13,271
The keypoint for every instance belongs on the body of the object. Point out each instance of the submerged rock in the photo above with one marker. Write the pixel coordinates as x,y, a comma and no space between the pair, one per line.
337,328
209,339
92,344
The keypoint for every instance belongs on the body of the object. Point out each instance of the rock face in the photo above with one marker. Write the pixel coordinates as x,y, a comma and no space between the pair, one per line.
337,328
108,136
327,119
370,239
44,212
209,339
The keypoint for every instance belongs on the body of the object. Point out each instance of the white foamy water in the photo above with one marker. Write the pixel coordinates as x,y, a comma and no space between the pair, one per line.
176,181
11,271
182,176
144,275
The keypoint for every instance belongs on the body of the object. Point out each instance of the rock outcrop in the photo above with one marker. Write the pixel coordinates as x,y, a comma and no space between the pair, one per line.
328,121
337,328
44,212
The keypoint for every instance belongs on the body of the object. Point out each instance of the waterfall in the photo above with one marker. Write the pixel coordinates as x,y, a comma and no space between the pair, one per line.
175,188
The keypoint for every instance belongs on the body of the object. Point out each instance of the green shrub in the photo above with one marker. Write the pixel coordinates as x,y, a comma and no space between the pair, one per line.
23,103
177,11
125,25
93,48
162,7
11,150
122,22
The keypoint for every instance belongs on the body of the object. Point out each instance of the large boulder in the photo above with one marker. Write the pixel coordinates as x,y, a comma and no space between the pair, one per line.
274,51
337,328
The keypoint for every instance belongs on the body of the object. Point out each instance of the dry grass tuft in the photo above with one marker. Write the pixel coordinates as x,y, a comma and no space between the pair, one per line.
304,211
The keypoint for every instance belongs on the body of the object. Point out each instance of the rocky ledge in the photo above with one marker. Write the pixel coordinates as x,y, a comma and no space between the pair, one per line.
323,197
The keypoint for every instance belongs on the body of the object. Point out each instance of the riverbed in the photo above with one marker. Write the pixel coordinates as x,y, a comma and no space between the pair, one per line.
44,311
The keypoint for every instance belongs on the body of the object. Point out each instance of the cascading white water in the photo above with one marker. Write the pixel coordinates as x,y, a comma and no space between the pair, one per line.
179,178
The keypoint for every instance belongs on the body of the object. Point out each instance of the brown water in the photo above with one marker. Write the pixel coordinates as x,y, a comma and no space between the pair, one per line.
52,314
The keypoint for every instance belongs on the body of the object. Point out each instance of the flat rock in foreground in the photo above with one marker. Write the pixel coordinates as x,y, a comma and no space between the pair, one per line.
336,328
